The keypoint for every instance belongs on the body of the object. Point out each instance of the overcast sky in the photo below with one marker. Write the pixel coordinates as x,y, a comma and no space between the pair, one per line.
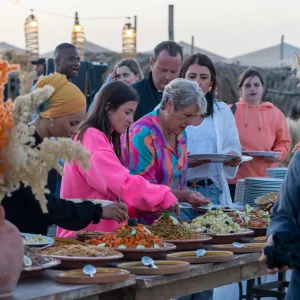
224,27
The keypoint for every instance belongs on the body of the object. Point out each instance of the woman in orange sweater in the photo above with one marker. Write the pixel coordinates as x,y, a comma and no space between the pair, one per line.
261,126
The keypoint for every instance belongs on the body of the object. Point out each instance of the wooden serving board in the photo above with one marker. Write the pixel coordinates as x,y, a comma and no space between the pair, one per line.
164,267
249,248
209,257
103,275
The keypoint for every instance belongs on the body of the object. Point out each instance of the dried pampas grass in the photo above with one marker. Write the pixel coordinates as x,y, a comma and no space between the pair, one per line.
23,163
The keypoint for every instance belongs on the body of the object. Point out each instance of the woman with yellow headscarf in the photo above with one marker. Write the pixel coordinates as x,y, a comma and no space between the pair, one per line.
65,110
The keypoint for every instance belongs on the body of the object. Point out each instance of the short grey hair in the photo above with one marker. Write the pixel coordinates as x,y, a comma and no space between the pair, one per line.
184,93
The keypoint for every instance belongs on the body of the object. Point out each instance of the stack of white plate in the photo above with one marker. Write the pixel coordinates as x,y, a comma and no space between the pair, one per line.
239,191
276,172
258,186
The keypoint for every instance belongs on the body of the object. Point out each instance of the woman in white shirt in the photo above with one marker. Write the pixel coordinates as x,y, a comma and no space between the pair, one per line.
216,132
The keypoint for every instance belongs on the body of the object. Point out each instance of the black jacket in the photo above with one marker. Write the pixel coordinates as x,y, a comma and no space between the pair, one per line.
150,97
24,211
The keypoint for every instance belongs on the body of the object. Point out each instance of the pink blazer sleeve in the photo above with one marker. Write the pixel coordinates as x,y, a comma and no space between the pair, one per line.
108,175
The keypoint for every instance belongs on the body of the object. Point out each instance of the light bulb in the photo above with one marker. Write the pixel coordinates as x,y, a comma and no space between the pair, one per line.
33,23
129,32
77,27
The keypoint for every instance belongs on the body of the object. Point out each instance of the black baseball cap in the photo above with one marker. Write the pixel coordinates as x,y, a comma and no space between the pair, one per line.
40,61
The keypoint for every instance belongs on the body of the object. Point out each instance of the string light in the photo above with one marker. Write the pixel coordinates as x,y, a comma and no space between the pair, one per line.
78,37
32,36
128,40
63,15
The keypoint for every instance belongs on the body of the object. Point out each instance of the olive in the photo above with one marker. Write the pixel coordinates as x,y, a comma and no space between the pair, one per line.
205,231
227,222
231,231
207,225
213,208
227,207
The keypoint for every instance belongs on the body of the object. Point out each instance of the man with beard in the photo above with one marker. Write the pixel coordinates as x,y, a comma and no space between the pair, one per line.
165,65
66,60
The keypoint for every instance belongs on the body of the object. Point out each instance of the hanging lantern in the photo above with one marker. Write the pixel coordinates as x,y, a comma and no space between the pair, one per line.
78,37
32,36
129,40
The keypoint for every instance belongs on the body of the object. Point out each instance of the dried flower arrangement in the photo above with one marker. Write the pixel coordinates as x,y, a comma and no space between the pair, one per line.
19,161
294,65
5,68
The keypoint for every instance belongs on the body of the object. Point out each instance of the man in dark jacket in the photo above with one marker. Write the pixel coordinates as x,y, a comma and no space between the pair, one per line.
286,219
165,66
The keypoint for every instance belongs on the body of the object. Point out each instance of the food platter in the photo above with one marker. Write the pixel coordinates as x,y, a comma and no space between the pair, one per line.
220,226
36,240
103,275
209,257
77,256
35,271
190,244
137,254
69,262
226,238
172,231
164,267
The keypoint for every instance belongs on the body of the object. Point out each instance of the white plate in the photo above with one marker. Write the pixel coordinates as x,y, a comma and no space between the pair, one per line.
246,158
262,153
48,240
213,157
264,180
51,262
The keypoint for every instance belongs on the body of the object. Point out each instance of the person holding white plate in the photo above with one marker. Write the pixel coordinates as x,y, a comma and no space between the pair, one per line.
213,132
261,126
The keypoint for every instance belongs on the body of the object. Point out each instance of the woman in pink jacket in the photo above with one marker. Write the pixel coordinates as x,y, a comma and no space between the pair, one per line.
107,178
261,126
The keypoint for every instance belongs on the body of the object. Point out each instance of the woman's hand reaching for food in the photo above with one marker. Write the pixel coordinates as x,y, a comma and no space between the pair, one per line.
191,197
196,199
115,211
175,208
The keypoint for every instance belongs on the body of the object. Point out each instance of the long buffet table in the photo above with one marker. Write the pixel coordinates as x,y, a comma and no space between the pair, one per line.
199,278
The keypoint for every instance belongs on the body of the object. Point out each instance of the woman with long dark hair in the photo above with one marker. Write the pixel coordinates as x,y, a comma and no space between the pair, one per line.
213,132
107,178
125,70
